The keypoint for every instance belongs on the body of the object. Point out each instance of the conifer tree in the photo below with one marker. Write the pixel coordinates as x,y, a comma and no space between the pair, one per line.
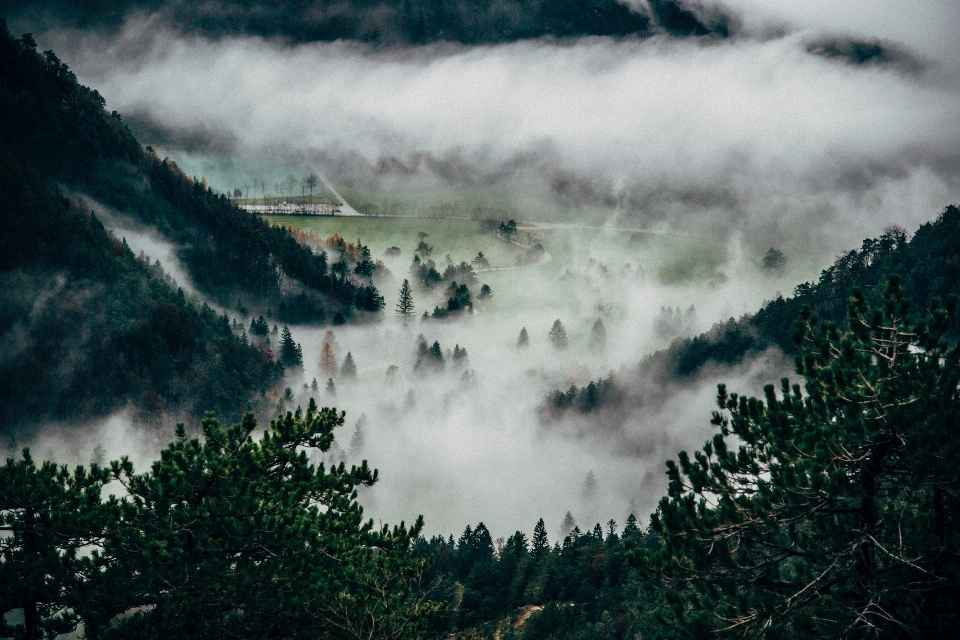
405,306
598,335
540,543
832,517
290,352
348,371
331,387
328,360
190,557
524,340
558,335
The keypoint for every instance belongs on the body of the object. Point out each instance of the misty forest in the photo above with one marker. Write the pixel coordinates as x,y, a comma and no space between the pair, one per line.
435,319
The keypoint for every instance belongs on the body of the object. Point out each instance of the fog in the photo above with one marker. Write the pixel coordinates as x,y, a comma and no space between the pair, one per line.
810,130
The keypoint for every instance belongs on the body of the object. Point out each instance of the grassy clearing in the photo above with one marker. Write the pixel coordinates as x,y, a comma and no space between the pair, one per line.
461,239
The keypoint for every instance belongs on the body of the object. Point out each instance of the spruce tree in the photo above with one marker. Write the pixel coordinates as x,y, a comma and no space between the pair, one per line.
598,335
524,340
540,543
348,371
290,352
558,335
405,306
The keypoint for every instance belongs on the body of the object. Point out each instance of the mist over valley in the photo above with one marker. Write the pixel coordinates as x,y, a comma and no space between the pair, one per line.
546,233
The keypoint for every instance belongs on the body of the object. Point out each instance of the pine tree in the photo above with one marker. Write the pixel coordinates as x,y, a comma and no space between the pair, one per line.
833,508
331,387
598,335
524,340
358,437
567,525
540,543
405,306
348,371
590,487
558,335
188,555
290,352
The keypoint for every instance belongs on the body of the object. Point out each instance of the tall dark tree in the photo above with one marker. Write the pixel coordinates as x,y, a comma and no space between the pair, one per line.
558,335
290,352
837,514
405,303
539,541
348,370
524,340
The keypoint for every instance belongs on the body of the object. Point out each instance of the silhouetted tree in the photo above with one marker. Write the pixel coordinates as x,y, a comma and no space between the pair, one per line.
290,352
405,303
774,260
558,335
598,335
524,340
348,370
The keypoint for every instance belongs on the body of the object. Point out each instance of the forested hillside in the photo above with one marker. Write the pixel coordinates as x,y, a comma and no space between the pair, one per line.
401,21
87,327
928,264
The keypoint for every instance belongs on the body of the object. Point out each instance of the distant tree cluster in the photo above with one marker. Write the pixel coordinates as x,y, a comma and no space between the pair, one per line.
430,357
579,587
595,395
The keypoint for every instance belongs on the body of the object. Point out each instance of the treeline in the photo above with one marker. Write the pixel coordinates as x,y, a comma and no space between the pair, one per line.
582,587
827,508
387,22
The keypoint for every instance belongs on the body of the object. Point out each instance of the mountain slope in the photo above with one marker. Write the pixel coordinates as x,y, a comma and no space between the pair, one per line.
85,327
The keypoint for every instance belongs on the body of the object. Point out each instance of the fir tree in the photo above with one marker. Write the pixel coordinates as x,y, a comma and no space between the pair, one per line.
331,387
348,371
567,525
558,335
540,543
290,352
524,340
598,335
405,304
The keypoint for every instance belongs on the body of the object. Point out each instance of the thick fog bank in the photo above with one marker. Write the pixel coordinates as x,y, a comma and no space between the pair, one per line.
808,131
809,135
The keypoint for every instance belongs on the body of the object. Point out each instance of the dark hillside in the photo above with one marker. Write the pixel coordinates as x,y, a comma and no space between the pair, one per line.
928,265
392,22
86,327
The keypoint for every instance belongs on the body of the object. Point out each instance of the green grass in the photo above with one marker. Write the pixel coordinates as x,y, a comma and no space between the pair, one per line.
462,239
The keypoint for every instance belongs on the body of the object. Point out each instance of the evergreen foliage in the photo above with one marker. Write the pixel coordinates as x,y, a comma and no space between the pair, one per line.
524,340
598,335
558,335
290,352
836,516
405,306
223,537
348,370
595,395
